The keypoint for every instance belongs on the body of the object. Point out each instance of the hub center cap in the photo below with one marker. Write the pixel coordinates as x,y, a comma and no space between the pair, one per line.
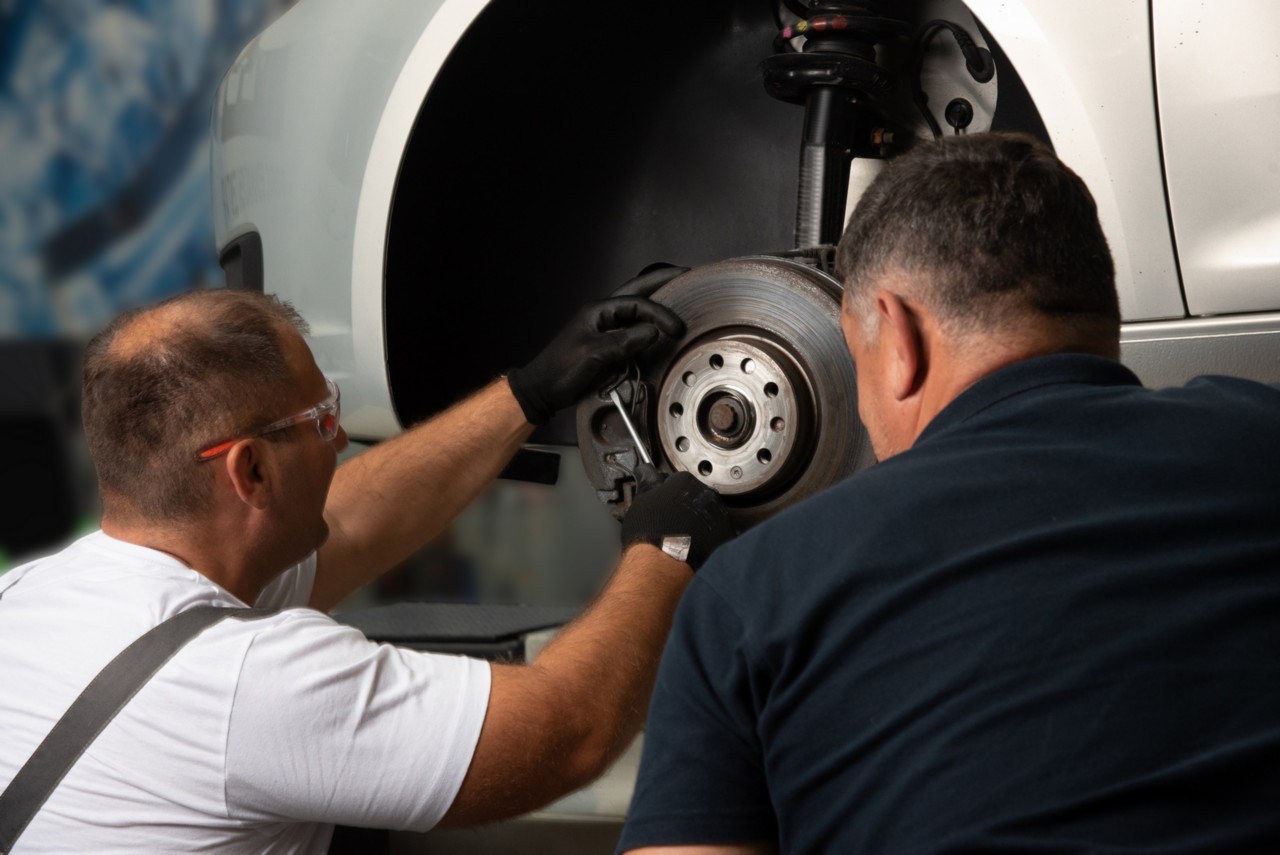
729,418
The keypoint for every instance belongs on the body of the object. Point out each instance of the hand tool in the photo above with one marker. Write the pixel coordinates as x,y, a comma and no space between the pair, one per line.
631,429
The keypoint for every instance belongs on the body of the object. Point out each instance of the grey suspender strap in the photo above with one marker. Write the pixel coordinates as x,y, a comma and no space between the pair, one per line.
97,705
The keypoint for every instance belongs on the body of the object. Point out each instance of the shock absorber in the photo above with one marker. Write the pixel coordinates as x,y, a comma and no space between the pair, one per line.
837,79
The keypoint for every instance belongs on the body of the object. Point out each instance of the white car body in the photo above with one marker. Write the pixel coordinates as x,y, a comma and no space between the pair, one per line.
1171,120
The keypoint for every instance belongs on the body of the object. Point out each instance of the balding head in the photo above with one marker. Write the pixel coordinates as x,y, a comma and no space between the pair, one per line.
162,383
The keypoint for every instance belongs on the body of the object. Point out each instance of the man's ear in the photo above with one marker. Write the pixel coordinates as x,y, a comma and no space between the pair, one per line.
907,360
249,472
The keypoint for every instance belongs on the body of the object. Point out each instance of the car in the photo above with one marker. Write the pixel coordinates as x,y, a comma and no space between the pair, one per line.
437,184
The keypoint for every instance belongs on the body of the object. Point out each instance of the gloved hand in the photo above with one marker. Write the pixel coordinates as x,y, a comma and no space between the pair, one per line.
600,339
666,510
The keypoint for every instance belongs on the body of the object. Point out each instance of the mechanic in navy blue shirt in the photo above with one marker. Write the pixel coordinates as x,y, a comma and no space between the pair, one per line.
1048,620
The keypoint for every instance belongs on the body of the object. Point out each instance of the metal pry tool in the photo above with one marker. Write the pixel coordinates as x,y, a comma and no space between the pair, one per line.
631,428
675,545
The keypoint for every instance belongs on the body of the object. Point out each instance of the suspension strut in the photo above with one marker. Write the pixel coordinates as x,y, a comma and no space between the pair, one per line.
837,79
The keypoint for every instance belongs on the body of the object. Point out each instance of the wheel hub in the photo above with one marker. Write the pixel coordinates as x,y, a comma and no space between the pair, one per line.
732,410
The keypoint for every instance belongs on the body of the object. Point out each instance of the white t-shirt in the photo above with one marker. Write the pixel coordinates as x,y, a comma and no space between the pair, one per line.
256,737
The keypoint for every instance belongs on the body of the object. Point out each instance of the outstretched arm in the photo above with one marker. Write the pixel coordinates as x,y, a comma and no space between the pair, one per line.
555,725
388,501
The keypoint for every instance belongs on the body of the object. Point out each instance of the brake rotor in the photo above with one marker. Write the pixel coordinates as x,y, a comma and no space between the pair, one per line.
757,400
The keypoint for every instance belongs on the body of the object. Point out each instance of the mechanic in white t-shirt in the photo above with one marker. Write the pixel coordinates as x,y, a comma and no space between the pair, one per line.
215,437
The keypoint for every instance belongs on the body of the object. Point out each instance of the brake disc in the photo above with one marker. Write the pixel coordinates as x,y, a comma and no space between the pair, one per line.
757,399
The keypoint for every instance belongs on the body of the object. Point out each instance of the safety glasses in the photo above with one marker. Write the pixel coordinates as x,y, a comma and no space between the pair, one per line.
325,414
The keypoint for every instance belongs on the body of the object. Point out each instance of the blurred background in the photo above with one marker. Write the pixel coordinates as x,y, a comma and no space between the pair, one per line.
104,204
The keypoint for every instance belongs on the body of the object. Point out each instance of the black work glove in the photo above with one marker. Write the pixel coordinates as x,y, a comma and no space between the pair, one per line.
678,514
600,339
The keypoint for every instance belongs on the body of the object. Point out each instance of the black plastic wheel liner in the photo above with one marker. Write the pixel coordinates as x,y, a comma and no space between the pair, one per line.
556,155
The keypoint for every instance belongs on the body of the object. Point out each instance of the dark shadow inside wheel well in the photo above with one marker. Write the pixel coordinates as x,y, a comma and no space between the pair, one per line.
554,157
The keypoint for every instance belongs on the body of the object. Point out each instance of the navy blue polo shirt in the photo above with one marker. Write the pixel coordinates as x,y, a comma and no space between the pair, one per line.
1053,625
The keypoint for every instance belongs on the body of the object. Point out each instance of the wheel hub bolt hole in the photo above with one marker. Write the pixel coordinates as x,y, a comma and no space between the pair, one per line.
764,455
778,425
682,443
771,390
748,366
717,361
704,468
677,410
689,378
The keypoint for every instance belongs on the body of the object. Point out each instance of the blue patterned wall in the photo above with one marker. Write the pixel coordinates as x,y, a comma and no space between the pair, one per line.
104,204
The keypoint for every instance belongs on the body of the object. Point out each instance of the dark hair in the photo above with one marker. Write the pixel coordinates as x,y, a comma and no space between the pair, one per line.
995,225
161,383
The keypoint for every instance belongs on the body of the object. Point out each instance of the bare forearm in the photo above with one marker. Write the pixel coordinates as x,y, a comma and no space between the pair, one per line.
607,660
388,501
555,725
